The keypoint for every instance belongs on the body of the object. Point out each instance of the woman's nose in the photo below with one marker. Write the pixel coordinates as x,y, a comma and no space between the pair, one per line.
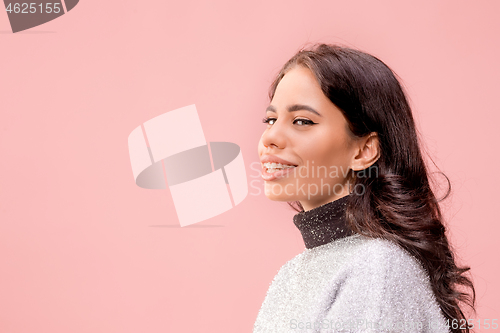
275,136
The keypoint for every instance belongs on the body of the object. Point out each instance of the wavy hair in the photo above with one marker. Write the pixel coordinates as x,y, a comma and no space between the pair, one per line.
398,203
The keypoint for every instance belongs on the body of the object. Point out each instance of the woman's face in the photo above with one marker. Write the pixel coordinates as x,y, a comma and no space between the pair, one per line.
307,130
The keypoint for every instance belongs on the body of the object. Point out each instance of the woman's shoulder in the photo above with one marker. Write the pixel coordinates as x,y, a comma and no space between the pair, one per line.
359,255
393,283
385,255
364,249
383,248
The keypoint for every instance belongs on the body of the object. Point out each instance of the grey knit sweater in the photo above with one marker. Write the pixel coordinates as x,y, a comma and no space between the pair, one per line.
345,282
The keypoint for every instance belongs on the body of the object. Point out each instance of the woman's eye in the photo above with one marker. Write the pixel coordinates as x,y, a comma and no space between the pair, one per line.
296,121
267,120
304,121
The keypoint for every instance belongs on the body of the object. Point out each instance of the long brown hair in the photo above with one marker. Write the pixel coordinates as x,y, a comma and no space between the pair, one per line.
397,202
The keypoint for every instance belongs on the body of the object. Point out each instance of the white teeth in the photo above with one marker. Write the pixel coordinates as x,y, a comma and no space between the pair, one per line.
272,167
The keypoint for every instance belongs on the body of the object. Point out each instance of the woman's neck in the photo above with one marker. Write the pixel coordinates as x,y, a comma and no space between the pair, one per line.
323,224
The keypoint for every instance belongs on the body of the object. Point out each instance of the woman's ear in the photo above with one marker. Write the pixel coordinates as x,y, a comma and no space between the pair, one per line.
367,152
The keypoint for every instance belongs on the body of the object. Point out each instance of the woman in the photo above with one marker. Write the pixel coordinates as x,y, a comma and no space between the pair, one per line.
341,143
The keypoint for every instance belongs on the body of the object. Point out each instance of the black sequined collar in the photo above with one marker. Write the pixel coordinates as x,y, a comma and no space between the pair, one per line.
323,224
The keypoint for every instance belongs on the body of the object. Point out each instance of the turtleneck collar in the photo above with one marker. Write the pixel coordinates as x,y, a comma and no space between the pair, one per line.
323,224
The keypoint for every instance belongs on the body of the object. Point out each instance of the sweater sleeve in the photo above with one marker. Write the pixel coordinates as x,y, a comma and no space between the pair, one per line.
383,289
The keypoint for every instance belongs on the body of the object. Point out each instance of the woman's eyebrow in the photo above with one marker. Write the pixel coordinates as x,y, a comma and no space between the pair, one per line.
295,107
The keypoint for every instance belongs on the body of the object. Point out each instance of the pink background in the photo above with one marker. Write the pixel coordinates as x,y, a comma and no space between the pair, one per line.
83,249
